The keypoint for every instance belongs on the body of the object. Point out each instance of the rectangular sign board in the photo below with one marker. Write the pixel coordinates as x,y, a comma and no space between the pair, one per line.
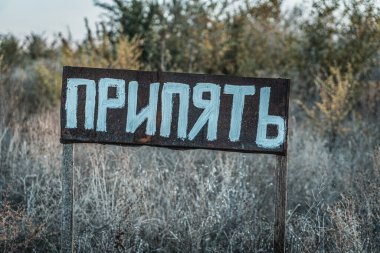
175,110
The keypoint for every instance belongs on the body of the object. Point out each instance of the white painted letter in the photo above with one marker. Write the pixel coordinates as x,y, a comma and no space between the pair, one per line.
149,112
265,120
167,108
239,92
211,109
104,102
71,105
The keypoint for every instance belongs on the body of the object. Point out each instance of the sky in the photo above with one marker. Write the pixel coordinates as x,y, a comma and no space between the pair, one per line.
49,17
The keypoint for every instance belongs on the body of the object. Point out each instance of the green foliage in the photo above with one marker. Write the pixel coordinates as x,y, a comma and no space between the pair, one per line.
259,43
102,51
3,66
339,45
16,53
45,86
10,51
29,76
132,19
192,39
341,34
231,37
37,47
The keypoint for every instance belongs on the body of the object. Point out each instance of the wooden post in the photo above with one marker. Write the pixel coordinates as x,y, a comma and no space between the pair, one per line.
67,199
280,204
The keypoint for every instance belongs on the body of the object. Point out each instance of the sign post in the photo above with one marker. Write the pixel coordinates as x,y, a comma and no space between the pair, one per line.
280,204
175,110
67,199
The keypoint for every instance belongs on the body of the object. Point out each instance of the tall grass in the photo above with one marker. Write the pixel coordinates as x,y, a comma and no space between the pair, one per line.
157,200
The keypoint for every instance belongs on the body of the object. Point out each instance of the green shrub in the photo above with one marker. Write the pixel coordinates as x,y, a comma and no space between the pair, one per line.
45,87
102,51
338,95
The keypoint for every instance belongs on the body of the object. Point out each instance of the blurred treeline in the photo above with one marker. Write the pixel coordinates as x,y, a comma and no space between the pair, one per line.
329,48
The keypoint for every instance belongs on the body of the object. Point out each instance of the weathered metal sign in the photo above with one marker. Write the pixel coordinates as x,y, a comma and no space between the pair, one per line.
175,110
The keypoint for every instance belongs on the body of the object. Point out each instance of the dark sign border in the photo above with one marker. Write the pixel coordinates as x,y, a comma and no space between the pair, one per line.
146,77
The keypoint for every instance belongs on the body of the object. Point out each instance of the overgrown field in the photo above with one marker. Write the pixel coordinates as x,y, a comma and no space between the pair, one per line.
144,199
151,199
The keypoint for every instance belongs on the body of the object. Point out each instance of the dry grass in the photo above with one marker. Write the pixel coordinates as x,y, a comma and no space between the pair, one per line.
158,200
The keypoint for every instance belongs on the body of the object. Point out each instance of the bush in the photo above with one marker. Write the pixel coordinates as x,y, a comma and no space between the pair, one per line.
338,95
45,87
102,51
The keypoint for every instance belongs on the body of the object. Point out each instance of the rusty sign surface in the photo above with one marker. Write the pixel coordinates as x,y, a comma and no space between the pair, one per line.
175,110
